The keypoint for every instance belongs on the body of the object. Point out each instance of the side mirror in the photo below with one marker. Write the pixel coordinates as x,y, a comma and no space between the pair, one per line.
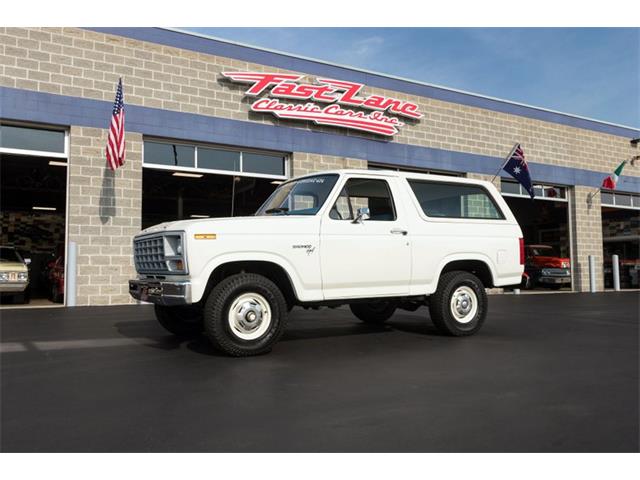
27,261
362,214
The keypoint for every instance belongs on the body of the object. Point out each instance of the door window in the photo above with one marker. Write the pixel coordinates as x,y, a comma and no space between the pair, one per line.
364,193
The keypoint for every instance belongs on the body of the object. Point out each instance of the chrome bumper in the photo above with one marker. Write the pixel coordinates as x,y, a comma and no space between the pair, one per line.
13,287
160,292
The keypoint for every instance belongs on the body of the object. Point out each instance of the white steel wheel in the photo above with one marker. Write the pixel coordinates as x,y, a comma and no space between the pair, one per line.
464,304
249,316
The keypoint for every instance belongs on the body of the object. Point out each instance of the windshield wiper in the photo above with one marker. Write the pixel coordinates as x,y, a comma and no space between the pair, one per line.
277,210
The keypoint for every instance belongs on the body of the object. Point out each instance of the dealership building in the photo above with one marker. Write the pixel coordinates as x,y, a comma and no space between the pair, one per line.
212,127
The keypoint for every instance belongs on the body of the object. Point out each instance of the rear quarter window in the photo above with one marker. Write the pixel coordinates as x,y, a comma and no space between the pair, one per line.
455,200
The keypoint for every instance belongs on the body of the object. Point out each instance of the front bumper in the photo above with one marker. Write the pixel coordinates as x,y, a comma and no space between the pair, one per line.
161,292
551,280
13,287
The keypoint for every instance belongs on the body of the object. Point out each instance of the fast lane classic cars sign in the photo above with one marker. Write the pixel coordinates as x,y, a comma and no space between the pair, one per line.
329,102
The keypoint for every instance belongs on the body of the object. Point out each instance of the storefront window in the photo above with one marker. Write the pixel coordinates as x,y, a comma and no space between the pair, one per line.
34,139
215,159
258,163
208,158
169,154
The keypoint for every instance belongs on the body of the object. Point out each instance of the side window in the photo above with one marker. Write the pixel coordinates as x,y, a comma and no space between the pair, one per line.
364,192
455,200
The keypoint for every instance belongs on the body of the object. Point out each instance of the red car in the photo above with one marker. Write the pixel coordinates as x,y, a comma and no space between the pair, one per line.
544,268
56,280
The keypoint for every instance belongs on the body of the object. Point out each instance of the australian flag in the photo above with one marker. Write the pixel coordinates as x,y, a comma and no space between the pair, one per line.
517,167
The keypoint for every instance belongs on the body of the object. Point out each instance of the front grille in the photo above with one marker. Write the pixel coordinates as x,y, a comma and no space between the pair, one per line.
148,254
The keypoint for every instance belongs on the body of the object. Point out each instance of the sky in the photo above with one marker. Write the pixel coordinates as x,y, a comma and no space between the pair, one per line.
591,72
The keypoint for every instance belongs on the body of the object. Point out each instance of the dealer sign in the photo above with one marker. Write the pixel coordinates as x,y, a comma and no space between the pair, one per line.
329,102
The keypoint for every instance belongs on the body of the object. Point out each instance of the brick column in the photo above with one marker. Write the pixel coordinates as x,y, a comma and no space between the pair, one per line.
586,231
104,214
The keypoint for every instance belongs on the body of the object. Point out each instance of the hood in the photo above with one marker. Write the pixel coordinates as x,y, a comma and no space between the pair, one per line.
236,225
12,267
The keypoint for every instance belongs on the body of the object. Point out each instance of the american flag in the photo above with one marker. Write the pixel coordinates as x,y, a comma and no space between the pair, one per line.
115,142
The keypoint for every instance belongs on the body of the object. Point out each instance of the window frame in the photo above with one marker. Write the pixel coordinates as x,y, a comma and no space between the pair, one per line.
524,194
344,186
38,153
421,211
635,200
286,158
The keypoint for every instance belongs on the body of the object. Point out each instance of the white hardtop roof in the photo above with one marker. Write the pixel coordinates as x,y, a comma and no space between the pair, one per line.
394,173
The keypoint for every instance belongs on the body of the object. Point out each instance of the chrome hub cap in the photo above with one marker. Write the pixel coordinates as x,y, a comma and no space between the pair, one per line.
249,316
464,304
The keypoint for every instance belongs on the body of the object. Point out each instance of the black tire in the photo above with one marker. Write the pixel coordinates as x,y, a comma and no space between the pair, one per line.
216,315
440,304
183,321
375,313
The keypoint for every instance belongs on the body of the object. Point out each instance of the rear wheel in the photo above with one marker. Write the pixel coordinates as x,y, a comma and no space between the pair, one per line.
459,306
374,312
245,315
183,321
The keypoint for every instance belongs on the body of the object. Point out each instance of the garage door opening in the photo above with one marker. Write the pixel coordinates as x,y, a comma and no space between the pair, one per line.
545,227
621,236
183,181
32,228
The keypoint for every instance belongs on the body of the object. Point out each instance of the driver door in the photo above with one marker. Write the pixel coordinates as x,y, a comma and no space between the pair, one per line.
367,258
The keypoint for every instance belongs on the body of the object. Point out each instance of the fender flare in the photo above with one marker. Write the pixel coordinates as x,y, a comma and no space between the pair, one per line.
467,256
247,256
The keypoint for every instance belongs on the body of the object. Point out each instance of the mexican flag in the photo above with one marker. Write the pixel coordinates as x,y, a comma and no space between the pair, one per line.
611,181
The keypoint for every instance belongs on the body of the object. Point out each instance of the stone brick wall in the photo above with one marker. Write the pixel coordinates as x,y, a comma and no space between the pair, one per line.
305,163
77,62
586,230
104,215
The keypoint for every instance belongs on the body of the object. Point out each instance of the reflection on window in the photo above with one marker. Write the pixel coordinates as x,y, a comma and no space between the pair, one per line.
258,163
218,159
452,200
169,154
25,138
364,193
210,158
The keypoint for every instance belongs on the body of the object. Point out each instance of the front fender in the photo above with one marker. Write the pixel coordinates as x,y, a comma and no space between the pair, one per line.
199,283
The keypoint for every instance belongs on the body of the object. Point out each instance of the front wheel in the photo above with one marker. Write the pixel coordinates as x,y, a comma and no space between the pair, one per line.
245,315
459,306
374,313
183,321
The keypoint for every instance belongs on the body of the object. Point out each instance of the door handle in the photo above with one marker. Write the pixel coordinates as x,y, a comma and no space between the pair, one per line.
398,231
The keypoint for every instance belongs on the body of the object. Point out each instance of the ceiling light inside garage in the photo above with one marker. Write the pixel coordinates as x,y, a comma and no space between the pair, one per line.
190,175
53,209
57,164
199,216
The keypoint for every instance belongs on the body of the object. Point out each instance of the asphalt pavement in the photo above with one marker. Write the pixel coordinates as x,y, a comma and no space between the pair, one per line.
546,373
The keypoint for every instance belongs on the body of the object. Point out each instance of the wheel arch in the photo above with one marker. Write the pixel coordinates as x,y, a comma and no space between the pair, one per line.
478,266
267,268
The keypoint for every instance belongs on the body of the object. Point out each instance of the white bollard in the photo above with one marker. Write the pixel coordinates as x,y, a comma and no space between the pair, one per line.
592,274
615,270
72,272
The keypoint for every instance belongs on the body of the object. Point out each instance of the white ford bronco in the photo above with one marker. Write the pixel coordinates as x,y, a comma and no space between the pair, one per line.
374,240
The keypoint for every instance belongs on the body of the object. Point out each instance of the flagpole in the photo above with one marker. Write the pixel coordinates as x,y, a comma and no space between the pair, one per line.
505,162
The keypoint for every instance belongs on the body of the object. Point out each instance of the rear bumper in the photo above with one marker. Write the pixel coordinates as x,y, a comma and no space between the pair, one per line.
161,292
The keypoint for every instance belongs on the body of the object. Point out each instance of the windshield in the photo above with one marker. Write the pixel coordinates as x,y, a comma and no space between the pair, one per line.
299,197
9,255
